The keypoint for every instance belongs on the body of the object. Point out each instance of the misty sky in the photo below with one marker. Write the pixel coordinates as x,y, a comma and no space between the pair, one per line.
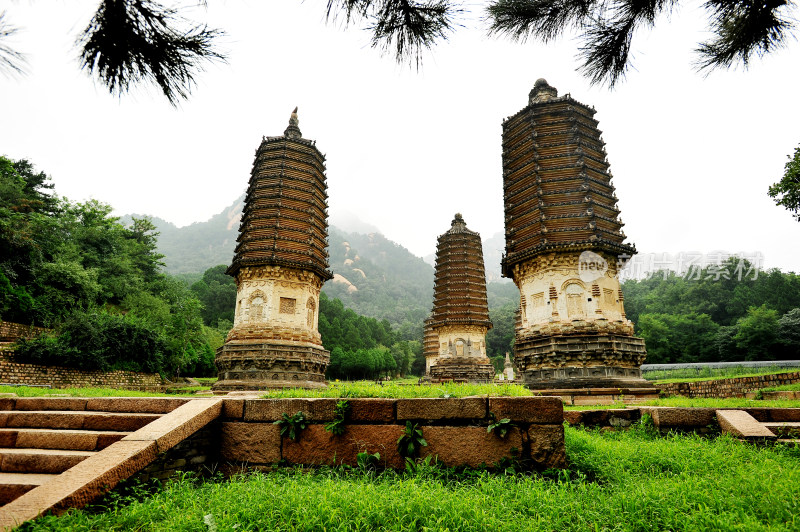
692,156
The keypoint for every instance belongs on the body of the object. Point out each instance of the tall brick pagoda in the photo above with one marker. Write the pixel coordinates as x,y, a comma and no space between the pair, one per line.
460,317
280,265
564,245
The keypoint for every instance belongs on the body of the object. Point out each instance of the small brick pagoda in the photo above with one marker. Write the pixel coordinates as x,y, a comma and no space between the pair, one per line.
280,264
564,246
460,316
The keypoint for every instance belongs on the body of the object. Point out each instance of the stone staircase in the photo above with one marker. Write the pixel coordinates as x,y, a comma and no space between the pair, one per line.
57,453
42,437
746,427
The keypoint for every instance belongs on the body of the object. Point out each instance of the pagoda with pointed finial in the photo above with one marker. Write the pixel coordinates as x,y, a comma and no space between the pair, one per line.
280,264
460,317
564,248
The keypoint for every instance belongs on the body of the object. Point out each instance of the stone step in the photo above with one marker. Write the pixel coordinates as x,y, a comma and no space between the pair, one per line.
784,429
791,442
76,419
742,425
75,439
40,460
13,485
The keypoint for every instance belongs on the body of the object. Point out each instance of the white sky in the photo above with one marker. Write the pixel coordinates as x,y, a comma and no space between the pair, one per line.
692,157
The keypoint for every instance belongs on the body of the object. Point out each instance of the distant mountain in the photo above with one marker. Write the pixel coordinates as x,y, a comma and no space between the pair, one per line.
201,245
373,275
379,278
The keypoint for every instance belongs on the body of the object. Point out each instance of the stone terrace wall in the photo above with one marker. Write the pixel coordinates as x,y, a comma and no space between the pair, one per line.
12,372
10,332
455,430
722,388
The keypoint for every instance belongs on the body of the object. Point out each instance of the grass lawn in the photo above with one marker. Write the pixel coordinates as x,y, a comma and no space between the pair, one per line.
785,388
30,391
711,374
632,480
403,389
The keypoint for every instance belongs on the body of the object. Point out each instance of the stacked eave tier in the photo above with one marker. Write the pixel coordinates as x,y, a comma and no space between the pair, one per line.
459,295
284,221
556,184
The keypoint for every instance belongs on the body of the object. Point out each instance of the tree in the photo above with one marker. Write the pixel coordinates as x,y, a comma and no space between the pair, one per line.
131,42
757,333
786,192
789,333
217,292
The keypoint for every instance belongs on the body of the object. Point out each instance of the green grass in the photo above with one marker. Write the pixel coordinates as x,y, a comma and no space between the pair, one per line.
620,481
394,389
28,391
707,374
785,388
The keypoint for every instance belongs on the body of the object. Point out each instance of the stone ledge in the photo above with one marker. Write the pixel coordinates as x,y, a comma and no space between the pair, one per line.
541,410
438,409
273,409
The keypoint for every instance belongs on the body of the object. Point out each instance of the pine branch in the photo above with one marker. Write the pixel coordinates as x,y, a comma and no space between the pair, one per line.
410,27
544,20
11,61
743,28
129,42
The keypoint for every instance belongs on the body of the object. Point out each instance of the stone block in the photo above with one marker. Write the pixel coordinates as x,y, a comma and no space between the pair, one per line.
56,439
8,438
149,405
49,420
593,400
470,446
540,410
233,409
40,461
7,403
172,428
258,443
742,425
316,446
372,410
683,418
50,403
436,408
574,417
547,446
116,421
273,409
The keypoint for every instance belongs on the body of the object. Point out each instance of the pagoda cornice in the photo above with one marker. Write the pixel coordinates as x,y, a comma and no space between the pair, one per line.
322,272
269,142
509,261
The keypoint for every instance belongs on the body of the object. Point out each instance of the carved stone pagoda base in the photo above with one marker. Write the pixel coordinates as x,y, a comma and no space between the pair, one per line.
462,369
581,361
265,365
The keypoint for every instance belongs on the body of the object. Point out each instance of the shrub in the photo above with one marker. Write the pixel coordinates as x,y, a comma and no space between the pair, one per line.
98,340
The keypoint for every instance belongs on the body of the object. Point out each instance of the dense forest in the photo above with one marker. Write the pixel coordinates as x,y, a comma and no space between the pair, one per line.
725,312
74,268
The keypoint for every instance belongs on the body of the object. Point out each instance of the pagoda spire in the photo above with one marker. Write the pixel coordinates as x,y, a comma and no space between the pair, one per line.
293,131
